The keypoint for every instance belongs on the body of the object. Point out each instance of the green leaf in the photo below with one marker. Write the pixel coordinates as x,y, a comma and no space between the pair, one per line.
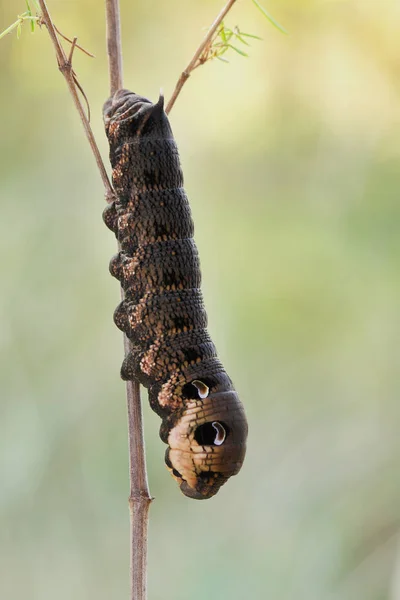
222,32
238,51
270,18
19,30
250,35
9,29
225,60
222,50
228,34
239,37
29,12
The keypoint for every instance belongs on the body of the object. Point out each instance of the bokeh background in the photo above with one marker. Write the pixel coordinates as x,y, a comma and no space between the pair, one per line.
291,160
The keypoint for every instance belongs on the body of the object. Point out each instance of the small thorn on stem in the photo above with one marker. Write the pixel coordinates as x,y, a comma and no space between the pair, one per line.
71,52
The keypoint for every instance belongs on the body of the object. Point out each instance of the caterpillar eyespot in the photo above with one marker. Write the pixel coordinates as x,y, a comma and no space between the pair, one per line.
221,433
162,313
203,389
211,434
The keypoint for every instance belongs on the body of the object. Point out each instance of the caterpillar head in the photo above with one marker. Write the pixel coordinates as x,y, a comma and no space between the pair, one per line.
207,445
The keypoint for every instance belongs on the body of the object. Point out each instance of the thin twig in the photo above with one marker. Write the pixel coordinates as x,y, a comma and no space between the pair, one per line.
66,69
71,52
80,88
196,60
71,42
139,497
78,85
114,45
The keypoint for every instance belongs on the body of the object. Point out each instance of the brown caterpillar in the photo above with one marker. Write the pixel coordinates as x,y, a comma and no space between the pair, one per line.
163,315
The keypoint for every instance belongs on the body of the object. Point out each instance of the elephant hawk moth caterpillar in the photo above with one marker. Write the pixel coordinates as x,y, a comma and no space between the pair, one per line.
162,313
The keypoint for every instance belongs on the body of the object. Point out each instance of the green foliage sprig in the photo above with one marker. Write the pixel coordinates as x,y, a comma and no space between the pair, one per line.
270,18
226,39
21,19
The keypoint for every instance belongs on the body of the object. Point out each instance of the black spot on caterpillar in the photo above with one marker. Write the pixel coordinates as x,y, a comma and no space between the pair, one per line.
163,315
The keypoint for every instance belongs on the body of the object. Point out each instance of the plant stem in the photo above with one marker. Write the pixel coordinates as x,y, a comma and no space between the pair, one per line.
197,55
139,497
66,69
114,45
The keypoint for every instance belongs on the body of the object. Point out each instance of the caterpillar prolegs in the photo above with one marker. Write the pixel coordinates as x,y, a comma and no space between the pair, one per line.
162,314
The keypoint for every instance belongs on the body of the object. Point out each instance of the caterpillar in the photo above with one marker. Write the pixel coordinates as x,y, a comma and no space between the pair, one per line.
162,311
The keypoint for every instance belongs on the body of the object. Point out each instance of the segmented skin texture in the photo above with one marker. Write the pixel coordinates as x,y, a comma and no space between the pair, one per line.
162,313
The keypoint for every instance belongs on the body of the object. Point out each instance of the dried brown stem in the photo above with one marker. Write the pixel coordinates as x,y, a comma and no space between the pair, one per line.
72,41
71,52
114,45
80,88
66,69
196,60
139,497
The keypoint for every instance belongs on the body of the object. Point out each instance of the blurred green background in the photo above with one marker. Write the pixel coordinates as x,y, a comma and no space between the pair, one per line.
291,159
